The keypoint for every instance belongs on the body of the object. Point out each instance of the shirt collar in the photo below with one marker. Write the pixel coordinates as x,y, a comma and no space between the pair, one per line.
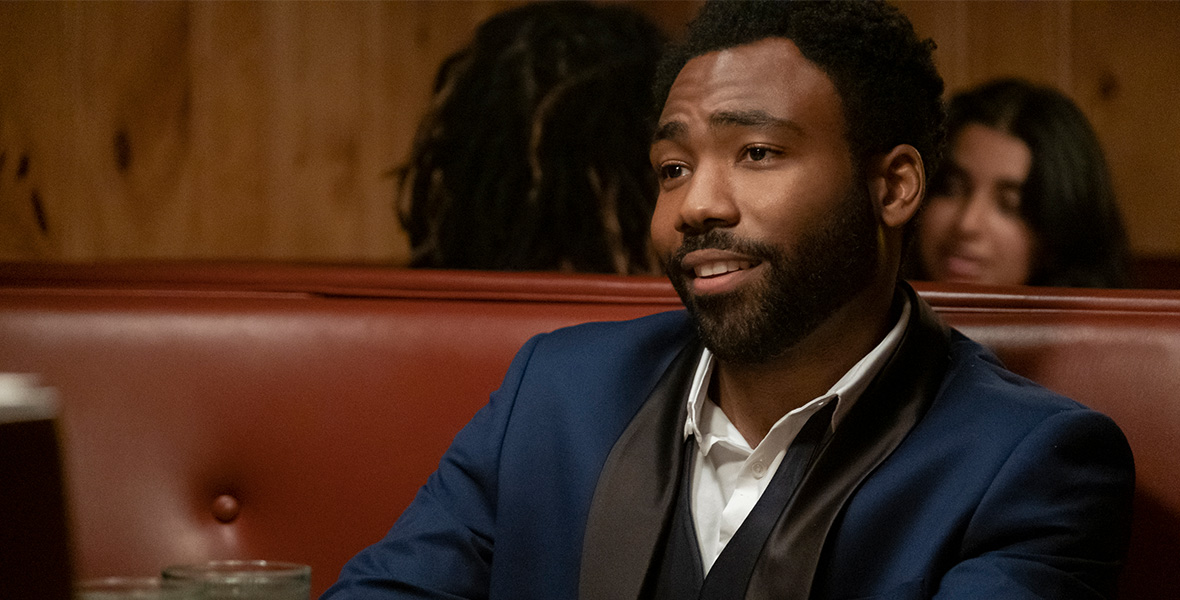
846,390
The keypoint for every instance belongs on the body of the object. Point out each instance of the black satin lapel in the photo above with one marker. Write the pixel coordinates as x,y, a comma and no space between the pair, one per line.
636,491
876,425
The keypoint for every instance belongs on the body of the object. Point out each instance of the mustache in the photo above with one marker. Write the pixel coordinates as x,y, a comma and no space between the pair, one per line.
717,239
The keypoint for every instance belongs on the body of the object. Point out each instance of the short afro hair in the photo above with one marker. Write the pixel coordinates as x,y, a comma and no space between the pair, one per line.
885,75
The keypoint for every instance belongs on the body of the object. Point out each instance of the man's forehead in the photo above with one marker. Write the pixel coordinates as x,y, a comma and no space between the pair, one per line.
760,84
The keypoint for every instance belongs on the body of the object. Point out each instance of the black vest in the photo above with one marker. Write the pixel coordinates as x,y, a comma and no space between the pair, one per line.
678,574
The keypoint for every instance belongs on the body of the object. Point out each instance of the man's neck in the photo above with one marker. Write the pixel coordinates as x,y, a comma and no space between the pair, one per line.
755,397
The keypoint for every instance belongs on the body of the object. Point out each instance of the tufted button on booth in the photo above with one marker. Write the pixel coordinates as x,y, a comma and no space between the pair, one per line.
226,508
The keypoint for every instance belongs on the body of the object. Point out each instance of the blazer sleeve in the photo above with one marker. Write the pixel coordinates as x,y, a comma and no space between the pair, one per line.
441,546
1055,521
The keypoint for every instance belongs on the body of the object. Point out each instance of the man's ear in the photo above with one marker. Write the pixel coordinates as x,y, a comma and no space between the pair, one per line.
898,183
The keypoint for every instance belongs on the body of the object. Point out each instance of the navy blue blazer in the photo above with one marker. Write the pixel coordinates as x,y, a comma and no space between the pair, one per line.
950,477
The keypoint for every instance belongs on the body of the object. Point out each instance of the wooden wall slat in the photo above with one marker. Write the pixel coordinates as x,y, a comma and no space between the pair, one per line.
35,112
1127,65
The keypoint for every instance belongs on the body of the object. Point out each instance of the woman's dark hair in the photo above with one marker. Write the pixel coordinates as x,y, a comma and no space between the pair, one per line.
889,89
1067,200
534,153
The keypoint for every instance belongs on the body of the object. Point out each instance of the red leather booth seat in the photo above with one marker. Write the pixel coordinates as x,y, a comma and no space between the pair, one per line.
291,412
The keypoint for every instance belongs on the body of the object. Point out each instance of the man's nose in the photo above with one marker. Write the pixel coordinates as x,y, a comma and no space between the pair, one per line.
708,202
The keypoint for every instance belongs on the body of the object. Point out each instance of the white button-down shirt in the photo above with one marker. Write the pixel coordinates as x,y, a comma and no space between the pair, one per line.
728,475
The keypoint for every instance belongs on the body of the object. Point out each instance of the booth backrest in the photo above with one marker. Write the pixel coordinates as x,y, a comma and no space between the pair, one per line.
291,412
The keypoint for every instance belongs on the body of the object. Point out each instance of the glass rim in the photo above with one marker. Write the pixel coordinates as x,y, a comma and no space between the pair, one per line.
110,582
245,568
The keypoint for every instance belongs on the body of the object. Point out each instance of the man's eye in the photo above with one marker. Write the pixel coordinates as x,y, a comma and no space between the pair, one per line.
757,153
671,171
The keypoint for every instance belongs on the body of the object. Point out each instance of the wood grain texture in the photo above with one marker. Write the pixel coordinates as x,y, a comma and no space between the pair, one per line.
1127,80
214,129
270,130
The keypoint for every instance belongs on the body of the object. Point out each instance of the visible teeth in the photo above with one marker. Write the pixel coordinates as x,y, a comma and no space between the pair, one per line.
721,267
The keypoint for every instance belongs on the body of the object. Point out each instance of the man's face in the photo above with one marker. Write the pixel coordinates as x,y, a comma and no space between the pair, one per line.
764,227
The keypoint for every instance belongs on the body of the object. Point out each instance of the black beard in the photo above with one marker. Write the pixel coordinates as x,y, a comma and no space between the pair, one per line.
826,269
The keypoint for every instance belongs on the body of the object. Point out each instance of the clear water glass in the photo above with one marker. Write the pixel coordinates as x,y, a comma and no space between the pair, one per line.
245,579
133,588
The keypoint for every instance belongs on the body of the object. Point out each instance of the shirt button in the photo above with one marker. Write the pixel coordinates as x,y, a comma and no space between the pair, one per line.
759,469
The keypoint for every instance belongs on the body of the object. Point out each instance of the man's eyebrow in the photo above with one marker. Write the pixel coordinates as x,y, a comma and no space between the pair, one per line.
757,119
668,131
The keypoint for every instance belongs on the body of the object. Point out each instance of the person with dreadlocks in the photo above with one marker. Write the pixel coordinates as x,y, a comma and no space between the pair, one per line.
808,429
533,154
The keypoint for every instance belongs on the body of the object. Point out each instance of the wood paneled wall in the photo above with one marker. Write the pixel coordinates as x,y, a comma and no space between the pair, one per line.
269,130
213,129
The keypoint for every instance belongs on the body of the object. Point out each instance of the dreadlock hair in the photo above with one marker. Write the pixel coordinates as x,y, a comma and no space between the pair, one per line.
1068,198
889,88
534,152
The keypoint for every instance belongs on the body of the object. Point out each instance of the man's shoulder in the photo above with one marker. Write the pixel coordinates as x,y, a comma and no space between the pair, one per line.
976,372
984,412
660,330
599,350
607,368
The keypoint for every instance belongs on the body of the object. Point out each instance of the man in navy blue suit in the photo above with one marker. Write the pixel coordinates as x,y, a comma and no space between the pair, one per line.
808,428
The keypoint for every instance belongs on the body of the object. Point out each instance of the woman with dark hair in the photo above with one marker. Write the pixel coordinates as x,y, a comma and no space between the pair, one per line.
533,155
1023,197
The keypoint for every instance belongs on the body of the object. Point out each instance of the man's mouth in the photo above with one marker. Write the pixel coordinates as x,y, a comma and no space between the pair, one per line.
721,267
715,271
718,263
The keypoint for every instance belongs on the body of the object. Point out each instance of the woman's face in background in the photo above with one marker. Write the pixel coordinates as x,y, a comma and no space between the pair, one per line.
972,229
